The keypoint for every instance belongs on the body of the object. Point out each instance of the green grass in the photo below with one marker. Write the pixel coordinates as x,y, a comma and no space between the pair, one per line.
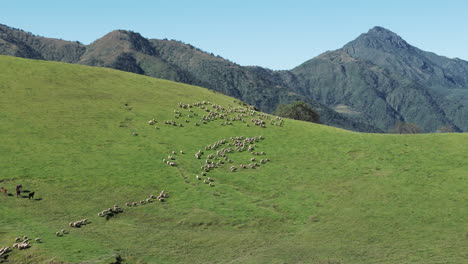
327,196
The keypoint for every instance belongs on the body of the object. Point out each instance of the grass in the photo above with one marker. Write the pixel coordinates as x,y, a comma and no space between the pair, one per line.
327,196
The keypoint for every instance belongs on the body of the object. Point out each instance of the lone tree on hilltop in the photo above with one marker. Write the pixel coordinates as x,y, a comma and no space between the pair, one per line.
298,111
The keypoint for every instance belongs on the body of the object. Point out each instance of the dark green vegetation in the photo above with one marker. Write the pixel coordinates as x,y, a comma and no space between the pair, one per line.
298,111
326,196
371,84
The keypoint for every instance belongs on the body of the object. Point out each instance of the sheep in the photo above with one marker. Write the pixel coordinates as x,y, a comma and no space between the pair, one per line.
181,152
252,159
58,233
198,177
5,250
211,184
23,245
172,164
148,200
18,239
38,240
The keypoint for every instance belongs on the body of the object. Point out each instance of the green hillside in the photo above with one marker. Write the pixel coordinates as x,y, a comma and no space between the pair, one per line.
79,137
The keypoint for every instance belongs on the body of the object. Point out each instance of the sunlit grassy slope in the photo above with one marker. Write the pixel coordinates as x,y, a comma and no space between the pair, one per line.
326,196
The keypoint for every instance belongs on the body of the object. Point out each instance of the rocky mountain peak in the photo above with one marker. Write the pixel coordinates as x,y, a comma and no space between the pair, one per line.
378,38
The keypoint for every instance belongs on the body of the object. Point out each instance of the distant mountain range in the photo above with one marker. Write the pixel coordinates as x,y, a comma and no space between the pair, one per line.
369,85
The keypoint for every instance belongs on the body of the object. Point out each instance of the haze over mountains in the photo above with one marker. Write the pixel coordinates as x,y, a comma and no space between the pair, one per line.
370,84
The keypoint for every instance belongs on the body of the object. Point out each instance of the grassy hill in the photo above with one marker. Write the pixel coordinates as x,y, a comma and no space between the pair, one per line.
79,137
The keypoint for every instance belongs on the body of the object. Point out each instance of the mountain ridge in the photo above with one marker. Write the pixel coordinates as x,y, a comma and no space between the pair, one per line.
378,77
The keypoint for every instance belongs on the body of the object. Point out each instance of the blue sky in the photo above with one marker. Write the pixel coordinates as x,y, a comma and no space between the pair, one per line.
274,34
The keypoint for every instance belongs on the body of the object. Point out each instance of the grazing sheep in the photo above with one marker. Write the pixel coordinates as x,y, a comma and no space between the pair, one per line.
5,250
18,239
23,245
58,233
38,240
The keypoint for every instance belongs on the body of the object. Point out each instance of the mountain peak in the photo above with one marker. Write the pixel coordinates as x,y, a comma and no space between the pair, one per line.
380,30
378,38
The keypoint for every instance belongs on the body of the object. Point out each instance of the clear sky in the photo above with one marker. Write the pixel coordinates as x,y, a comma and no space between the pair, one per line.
275,34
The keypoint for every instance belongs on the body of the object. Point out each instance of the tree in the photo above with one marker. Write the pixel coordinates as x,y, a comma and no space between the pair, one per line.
406,128
299,111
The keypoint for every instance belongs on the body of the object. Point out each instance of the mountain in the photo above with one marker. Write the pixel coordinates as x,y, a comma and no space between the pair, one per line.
382,77
79,137
372,83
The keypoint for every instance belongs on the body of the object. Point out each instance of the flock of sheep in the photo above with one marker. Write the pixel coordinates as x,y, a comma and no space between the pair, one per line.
20,243
161,197
221,147
218,112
